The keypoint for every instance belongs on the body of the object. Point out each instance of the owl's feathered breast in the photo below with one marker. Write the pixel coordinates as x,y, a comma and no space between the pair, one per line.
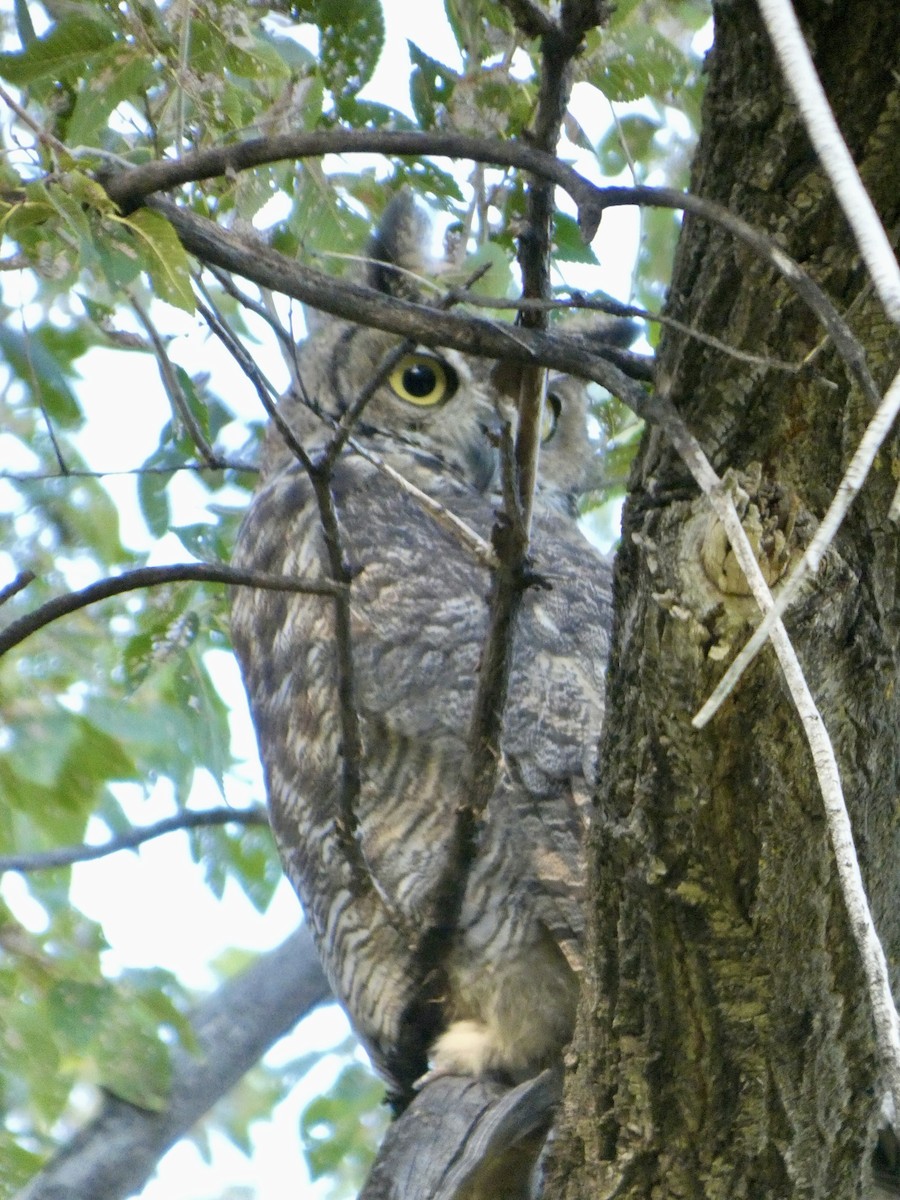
419,615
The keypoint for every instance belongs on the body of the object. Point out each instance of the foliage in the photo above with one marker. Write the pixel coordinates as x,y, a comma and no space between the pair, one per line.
122,692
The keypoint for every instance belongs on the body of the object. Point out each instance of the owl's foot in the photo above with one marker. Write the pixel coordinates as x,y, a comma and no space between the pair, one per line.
465,1048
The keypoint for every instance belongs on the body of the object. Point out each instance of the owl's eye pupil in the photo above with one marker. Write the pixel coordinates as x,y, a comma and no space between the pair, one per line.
423,380
419,380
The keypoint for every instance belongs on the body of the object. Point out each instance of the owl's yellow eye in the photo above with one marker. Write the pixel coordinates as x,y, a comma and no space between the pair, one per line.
550,417
423,380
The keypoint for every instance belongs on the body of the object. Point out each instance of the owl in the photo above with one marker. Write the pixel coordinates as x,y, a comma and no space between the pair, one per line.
501,1002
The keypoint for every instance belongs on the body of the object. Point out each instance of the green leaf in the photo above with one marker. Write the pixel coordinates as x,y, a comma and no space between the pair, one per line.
78,1011
568,243
39,370
124,78
627,141
637,61
431,86
163,258
351,38
339,1130
497,280
154,501
134,1064
66,52
24,26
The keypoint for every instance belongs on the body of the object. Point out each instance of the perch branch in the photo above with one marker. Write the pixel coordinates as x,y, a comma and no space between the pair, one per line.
189,819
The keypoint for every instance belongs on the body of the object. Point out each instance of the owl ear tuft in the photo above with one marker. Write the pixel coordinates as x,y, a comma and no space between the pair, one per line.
399,248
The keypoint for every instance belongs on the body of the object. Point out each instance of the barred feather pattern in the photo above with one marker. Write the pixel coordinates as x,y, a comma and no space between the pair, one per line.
419,613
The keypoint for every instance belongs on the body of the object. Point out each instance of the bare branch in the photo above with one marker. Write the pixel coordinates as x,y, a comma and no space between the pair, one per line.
480,550
319,474
13,588
510,541
801,77
531,19
142,577
46,139
189,819
115,1154
130,188
266,267
636,366
224,464
228,285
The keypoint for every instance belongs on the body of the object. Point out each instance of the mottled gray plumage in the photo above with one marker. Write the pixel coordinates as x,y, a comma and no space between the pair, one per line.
419,616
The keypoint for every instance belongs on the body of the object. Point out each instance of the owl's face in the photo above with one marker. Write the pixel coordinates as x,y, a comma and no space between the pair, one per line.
431,404
568,456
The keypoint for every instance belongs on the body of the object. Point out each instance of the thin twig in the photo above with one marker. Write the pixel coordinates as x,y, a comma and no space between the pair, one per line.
855,476
190,819
510,541
228,285
173,388
267,393
142,577
801,77
480,549
45,138
224,464
320,480
131,188
639,366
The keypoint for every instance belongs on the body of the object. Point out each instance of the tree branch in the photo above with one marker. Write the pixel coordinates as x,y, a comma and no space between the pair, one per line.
473,335
115,1154
463,1138
181,409
130,581
132,187
189,819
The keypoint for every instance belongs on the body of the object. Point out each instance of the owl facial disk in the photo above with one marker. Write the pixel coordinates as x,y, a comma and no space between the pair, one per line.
424,380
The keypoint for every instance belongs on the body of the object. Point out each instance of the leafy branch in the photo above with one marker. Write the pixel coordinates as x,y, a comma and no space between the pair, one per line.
117,1151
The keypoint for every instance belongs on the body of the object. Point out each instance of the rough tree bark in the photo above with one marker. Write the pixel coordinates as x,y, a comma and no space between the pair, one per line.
726,1048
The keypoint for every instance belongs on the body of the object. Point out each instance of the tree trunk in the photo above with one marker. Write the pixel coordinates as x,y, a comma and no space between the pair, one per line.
726,1047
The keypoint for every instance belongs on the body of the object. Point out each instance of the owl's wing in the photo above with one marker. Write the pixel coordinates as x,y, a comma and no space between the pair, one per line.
285,642
419,614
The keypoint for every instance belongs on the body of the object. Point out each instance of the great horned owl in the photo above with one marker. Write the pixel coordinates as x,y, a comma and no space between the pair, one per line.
418,614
